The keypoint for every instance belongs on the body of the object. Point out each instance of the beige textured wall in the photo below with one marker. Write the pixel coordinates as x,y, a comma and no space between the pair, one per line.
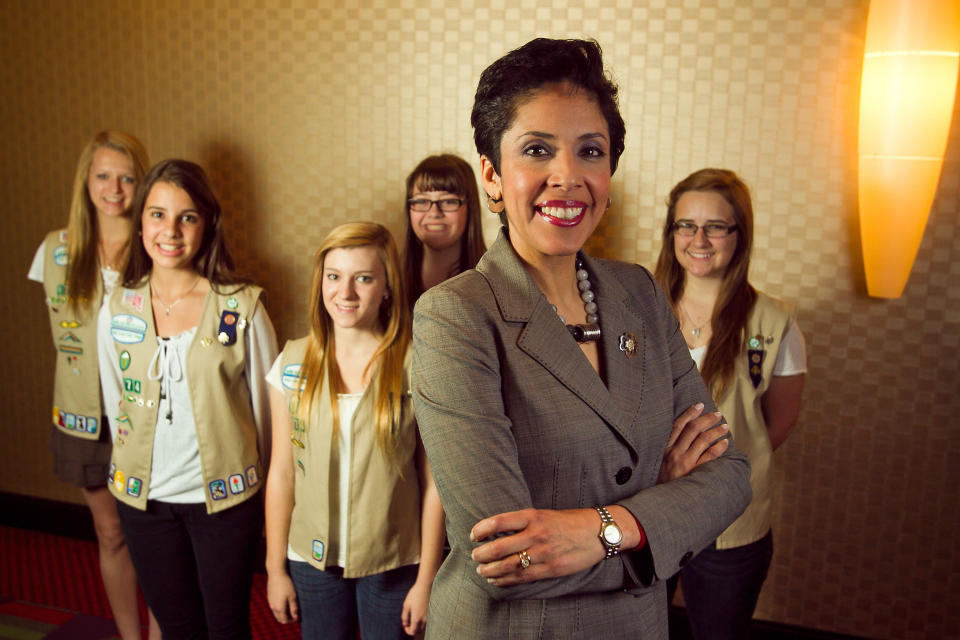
307,117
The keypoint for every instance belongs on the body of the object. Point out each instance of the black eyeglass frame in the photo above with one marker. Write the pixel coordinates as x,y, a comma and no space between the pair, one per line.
460,202
681,229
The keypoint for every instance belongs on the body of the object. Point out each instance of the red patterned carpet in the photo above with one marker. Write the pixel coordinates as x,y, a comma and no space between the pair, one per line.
50,589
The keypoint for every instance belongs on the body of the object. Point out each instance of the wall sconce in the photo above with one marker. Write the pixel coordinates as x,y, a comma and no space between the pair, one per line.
910,64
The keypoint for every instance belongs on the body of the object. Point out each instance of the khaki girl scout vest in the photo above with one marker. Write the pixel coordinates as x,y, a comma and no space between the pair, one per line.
76,387
740,405
384,508
226,432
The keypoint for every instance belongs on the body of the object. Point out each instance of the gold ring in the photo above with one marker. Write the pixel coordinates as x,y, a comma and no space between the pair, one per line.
524,559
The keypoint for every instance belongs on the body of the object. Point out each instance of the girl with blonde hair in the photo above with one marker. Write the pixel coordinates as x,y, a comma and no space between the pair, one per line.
351,508
79,267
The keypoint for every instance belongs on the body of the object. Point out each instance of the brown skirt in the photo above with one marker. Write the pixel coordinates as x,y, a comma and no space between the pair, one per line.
81,462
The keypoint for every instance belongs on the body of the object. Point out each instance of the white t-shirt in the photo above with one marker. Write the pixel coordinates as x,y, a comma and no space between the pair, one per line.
347,405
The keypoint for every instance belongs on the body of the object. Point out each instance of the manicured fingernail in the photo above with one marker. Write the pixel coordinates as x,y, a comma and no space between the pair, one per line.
478,570
698,406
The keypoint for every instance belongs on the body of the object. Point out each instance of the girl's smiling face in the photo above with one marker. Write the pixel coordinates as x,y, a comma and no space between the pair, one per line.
171,227
111,182
554,172
700,256
354,287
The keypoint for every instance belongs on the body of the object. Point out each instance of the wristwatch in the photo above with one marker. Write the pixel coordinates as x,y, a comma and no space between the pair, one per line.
610,534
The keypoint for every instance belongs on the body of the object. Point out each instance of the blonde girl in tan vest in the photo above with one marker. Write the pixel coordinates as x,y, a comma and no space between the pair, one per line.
184,345
751,354
351,505
79,266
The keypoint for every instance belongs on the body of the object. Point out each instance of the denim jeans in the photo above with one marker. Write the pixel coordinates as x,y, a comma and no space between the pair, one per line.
721,588
195,568
333,607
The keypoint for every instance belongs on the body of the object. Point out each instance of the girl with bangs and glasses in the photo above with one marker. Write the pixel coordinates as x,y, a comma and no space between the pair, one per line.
79,266
444,235
354,522
751,354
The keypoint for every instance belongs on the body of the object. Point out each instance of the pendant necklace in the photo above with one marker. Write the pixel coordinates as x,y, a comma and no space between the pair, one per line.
694,330
168,307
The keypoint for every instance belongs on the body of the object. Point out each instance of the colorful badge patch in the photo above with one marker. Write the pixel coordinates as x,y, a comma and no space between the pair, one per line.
60,256
134,486
127,329
290,376
124,360
131,384
218,490
113,470
252,476
70,343
232,303
118,481
755,363
87,423
227,332
69,324
317,550
236,483
132,299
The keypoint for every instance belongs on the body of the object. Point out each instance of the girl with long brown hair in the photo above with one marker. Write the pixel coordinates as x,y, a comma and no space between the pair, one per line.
751,355
351,505
79,267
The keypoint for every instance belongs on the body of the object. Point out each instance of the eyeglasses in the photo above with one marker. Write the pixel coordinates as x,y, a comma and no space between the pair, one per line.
711,229
447,205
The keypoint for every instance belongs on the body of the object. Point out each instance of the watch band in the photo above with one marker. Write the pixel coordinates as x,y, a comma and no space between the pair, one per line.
607,521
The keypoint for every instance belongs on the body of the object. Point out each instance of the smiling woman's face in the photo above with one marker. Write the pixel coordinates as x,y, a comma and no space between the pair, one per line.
554,173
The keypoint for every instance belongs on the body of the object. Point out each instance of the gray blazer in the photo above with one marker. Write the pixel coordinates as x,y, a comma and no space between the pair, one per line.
513,416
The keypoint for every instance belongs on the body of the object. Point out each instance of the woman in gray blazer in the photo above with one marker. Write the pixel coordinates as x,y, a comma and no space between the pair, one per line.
574,445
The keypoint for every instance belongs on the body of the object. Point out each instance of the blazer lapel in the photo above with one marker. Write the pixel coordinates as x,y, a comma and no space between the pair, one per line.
545,339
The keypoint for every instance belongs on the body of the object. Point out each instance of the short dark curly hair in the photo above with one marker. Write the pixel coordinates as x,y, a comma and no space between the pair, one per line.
515,77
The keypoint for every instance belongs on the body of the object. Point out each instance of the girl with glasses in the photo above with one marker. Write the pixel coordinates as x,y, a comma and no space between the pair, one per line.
751,355
444,235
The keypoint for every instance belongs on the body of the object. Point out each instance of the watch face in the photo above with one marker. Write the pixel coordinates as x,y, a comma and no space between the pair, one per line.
611,533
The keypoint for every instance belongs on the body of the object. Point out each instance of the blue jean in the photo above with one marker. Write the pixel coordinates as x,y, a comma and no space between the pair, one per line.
333,607
721,588
195,568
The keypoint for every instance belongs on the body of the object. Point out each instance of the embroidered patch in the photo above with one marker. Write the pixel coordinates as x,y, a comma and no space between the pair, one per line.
252,476
60,256
127,329
124,360
70,420
132,299
317,550
70,343
232,303
755,363
236,483
290,376
118,481
69,324
134,486
86,423
131,384
113,469
218,490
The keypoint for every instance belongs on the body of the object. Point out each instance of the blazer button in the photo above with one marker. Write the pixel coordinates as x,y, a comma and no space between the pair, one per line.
623,475
686,558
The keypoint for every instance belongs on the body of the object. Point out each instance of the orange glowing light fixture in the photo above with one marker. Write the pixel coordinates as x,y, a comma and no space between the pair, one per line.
910,64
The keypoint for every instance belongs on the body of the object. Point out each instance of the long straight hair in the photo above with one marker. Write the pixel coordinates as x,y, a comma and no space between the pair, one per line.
213,260
450,173
83,229
737,296
394,320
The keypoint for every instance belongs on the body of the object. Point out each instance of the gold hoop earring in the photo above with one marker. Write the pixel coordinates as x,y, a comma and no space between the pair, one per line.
495,205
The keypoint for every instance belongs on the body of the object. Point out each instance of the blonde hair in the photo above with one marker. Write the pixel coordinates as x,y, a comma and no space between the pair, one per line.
83,231
320,357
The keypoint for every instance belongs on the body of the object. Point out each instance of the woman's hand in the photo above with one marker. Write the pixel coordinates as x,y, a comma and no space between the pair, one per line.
558,543
282,598
414,614
695,439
